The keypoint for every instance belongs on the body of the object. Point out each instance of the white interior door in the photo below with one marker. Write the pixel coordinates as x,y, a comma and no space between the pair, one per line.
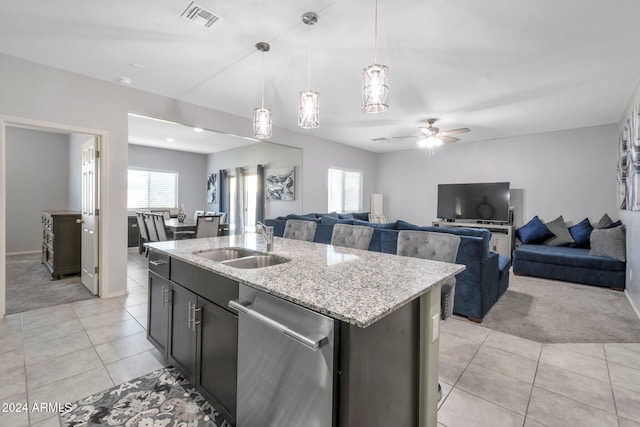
90,212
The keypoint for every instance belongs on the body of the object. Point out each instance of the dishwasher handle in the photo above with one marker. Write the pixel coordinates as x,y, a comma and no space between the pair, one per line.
244,306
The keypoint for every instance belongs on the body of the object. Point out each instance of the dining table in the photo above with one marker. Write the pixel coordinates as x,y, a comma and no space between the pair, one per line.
174,226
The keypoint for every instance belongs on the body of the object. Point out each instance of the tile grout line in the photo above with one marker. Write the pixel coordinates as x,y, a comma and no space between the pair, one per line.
533,384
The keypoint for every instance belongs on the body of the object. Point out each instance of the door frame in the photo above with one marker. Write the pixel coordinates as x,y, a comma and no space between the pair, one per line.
12,121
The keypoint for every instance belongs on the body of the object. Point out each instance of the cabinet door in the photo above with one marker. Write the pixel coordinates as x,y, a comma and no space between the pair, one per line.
158,312
182,345
218,354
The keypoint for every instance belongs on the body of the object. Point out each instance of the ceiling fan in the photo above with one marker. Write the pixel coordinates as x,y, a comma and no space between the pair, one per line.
432,136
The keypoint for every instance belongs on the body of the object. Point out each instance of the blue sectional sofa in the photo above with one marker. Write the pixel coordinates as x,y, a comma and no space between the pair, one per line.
486,276
569,264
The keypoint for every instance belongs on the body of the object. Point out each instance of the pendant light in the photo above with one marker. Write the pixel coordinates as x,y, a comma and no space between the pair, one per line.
308,107
262,123
375,81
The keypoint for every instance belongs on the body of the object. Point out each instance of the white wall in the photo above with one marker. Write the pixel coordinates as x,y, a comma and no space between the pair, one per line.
270,156
632,221
39,93
570,173
191,168
37,179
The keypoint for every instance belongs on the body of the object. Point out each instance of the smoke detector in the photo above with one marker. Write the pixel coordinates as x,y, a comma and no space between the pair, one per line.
201,16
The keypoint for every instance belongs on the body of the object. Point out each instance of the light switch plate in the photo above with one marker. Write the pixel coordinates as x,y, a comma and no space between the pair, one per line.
435,332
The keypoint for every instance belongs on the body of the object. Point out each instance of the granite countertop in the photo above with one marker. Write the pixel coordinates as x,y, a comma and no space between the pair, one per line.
355,286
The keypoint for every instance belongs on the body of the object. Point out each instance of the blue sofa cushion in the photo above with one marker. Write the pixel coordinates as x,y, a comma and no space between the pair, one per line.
581,232
345,215
308,217
326,219
323,233
562,255
362,216
535,231
387,226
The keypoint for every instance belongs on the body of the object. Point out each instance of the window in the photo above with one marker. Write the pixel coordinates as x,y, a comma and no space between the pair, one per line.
345,190
249,202
152,189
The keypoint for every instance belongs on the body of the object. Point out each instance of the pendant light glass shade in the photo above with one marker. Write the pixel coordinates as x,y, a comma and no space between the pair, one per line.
262,123
375,88
308,109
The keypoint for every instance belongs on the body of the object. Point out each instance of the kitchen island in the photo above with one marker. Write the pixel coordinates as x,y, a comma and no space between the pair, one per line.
377,355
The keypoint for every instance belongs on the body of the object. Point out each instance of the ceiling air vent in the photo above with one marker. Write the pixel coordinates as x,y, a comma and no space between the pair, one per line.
200,15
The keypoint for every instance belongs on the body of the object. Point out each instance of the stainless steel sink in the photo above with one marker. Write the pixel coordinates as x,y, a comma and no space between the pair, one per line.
255,261
225,254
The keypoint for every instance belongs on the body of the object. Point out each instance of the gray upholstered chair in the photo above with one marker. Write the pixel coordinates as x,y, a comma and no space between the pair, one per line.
144,235
161,228
438,247
196,214
298,229
352,236
207,226
151,227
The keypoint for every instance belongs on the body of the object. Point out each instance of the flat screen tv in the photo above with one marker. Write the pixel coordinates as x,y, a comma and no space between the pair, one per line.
474,202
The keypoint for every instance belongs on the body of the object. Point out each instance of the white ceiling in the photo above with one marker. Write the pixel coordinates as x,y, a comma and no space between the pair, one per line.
499,67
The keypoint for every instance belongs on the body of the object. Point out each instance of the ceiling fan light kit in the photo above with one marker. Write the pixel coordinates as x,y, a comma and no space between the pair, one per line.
375,80
308,101
262,121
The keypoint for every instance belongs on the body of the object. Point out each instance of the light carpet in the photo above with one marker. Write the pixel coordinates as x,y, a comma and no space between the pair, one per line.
550,311
29,285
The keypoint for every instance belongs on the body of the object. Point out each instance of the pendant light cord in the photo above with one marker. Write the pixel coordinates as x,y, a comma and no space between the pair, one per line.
375,36
263,79
309,62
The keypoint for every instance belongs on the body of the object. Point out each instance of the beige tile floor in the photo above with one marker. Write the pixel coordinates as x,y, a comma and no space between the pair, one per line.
63,353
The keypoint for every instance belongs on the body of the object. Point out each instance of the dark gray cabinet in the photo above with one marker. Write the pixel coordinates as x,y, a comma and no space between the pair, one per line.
133,234
61,242
188,322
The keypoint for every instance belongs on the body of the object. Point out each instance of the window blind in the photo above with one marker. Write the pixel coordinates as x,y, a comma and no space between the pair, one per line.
345,190
152,189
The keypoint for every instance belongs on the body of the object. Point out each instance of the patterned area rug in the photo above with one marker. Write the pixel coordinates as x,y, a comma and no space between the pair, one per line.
163,398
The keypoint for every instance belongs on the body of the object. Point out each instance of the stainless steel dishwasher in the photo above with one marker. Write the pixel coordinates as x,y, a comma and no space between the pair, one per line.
285,363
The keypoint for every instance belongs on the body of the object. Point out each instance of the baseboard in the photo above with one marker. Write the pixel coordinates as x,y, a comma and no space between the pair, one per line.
24,253
635,309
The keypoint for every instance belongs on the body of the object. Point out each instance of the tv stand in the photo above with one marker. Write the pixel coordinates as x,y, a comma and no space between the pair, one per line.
502,239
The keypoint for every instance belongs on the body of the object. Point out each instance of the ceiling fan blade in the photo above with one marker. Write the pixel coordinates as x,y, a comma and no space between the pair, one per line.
404,137
445,138
455,131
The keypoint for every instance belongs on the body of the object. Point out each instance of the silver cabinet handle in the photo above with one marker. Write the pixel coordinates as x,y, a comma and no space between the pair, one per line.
244,307
189,316
164,291
158,262
195,312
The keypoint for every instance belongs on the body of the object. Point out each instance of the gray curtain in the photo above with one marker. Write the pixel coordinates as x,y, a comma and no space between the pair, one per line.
238,203
224,194
260,195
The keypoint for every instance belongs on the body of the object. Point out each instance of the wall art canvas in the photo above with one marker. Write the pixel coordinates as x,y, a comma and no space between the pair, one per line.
629,162
280,183
212,185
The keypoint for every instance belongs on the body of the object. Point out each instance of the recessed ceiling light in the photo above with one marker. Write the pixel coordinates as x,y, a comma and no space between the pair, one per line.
198,129
171,140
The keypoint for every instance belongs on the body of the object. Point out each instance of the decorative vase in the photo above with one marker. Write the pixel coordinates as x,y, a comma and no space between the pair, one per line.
181,214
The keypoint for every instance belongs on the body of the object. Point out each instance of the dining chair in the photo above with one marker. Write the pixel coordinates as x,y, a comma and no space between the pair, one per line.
151,226
143,234
207,226
161,228
197,214
299,229
352,236
438,247
166,214
210,213
223,217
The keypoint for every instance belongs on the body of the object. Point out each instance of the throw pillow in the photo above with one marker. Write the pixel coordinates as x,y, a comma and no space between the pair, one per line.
615,224
345,215
609,242
603,222
533,232
330,220
581,233
562,236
